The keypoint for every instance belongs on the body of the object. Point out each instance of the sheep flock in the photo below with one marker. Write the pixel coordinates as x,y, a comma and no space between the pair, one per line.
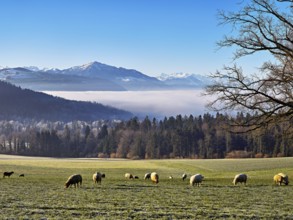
194,180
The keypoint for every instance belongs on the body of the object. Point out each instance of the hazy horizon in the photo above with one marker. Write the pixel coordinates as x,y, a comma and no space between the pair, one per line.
145,103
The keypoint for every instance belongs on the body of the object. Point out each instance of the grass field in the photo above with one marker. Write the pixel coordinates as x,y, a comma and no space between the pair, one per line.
41,194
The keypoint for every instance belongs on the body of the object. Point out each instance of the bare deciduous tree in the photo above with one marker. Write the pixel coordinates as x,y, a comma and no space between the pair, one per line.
261,26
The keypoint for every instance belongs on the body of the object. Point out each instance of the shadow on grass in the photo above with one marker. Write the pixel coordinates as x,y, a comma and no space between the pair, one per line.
113,187
126,186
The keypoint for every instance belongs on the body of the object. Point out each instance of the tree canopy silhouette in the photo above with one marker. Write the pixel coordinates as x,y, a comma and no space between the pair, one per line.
261,26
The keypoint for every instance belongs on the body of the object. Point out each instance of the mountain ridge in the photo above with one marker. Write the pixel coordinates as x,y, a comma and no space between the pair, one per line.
97,76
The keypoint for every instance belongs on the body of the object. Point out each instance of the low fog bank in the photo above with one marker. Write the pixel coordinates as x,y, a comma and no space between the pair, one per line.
141,103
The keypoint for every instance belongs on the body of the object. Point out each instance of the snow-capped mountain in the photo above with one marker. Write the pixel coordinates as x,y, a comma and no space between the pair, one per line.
184,80
32,68
53,81
96,76
128,78
165,77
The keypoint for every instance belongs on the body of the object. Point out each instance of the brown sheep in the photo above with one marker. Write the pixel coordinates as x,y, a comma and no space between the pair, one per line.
97,177
240,178
21,175
128,176
281,178
7,174
75,180
147,176
155,177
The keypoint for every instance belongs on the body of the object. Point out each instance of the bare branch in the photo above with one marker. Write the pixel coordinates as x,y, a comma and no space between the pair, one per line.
261,25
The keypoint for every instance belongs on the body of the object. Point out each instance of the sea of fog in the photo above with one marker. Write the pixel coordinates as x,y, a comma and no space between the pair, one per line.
141,103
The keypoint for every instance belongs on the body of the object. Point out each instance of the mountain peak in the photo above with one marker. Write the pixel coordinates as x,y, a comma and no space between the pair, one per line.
165,76
91,64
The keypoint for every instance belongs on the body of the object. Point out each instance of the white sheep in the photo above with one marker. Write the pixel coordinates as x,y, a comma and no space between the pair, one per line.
155,177
128,176
196,179
281,178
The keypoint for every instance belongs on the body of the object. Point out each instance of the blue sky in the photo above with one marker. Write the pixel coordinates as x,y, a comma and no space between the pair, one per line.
152,36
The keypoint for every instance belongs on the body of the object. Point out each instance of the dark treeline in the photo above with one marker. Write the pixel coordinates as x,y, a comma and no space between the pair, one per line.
173,137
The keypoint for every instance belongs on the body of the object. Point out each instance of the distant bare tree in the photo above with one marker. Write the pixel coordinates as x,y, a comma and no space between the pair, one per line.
261,26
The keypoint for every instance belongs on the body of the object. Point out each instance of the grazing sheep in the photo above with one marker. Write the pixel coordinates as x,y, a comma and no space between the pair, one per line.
170,177
184,176
21,175
128,176
147,176
135,177
75,180
240,178
7,174
97,177
154,177
281,178
103,175
196,179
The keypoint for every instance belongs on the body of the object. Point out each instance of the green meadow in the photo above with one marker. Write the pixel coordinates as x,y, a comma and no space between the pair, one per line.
40,194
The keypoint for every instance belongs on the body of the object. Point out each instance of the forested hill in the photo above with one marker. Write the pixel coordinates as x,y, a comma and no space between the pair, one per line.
19,104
